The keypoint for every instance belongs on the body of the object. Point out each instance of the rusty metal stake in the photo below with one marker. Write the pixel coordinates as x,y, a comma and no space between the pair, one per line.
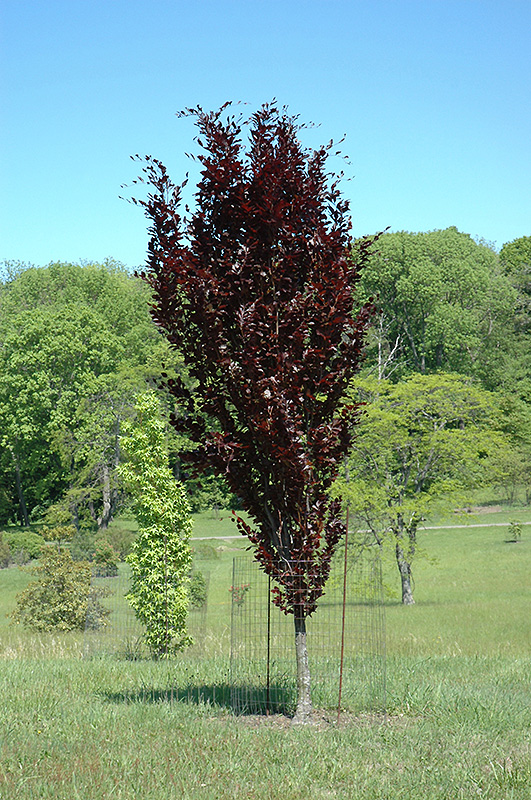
343,620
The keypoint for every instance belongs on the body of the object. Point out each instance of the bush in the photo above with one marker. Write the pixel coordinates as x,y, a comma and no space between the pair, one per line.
83,546
197,589
58,515
120,539
515,530
58,533
62,597
96,616
5,553
105,564
24,545
205,551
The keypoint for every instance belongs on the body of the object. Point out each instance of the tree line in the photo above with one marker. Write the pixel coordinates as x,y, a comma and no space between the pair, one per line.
77,344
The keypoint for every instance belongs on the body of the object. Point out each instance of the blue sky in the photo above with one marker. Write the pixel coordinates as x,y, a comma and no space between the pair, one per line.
433,95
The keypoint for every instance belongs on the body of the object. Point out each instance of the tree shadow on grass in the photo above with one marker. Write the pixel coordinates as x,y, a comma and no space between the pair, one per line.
241,699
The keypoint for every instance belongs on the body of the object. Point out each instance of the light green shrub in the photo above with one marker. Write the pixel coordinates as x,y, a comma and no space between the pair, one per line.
105,563
197,589
161,556
61,598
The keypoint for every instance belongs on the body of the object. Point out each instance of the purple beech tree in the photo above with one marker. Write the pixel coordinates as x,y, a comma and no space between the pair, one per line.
255,290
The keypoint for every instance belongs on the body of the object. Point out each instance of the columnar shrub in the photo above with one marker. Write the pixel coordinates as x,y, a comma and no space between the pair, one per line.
161,556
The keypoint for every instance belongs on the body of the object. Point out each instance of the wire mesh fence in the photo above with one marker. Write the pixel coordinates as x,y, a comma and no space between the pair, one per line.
345,636
243,629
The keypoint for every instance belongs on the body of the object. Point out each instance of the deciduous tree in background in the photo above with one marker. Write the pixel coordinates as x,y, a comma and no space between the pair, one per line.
75,343
420,444
443,304
256,292
515,260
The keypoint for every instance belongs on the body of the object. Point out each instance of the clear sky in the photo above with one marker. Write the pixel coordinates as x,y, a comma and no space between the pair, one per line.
433,95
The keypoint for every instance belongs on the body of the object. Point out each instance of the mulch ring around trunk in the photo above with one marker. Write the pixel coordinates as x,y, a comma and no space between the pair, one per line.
323,720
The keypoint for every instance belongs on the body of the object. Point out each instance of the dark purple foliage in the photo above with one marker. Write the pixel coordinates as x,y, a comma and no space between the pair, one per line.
256,292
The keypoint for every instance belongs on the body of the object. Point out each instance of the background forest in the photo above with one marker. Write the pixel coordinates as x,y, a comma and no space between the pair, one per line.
77,345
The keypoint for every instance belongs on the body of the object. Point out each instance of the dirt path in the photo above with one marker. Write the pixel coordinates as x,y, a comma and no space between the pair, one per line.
424,528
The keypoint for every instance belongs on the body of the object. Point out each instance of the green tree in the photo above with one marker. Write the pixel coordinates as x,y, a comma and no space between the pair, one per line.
420,443
512,470
443,303
515,260
90,448
45,359
161,557
69,334
515,470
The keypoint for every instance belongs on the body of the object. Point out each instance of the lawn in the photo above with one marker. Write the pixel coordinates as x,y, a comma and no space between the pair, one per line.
458,697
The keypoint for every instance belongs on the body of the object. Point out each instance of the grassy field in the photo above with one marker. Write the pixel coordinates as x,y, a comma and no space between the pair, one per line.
459,697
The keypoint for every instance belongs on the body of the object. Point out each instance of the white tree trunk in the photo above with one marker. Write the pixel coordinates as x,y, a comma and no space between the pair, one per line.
106,513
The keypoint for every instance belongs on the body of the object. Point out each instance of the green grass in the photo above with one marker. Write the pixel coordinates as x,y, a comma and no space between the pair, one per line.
206,524
473,595
459,698
458,728
486,517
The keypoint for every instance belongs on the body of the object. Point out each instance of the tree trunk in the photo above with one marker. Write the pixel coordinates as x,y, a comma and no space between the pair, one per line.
304,701
404,567
75,516
405,535
24,517
110,500
105,517
110,494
